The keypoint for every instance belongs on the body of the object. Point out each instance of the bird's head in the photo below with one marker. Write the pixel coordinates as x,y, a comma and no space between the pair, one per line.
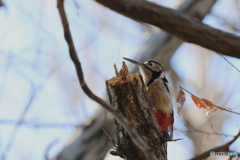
150,70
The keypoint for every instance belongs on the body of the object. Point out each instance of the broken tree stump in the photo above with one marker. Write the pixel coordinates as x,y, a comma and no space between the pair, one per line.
127,93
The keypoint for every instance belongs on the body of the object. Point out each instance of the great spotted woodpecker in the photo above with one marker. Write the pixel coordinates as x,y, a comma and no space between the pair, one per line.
158,89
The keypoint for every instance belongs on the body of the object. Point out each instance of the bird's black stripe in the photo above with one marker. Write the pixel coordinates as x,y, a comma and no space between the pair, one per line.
165,81
155,75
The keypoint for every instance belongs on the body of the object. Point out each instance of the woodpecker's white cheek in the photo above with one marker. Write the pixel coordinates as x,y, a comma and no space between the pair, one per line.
147,75
162,75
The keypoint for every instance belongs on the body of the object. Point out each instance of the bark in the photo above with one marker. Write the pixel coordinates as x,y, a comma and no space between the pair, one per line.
127,93
174,22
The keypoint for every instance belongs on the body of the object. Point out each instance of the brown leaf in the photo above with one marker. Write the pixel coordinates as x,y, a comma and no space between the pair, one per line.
180,100
209,103
199,103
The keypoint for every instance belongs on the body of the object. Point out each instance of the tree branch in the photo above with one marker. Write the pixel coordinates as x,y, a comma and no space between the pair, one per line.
161,46
36,125
222,148
34,93
123,121
183,26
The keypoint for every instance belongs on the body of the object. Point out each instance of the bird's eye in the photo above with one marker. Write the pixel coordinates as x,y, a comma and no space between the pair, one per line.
150,64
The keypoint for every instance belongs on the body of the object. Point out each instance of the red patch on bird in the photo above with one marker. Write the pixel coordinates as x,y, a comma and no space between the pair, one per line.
164,120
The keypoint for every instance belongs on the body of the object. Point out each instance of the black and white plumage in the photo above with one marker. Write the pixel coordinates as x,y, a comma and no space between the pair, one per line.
159,92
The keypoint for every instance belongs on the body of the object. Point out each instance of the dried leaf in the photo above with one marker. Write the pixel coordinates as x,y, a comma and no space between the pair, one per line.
180,100
209,103
204,103
199,103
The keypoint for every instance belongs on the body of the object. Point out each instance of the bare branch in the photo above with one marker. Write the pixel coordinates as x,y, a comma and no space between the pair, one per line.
175,140
112,142
161,46
185,27
221,148
33,95
221,108
204,132
124,122
32,124
220,133
228,61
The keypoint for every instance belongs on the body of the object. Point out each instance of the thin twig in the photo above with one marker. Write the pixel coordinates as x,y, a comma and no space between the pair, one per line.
221,148
221,108
174,140
34,93
204,132
220,133
32,124
124,122
113,143
228,61
21,119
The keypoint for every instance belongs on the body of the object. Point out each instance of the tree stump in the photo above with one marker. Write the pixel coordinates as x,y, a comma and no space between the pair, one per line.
127,93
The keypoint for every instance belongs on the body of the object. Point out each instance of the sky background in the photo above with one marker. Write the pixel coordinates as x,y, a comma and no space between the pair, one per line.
39,87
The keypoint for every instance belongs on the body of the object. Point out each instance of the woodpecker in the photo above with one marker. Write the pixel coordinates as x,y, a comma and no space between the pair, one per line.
158,89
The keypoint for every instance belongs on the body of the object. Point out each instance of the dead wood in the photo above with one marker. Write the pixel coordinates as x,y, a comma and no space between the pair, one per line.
127,94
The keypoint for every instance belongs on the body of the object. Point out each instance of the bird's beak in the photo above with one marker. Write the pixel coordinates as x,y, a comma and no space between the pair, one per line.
134,62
